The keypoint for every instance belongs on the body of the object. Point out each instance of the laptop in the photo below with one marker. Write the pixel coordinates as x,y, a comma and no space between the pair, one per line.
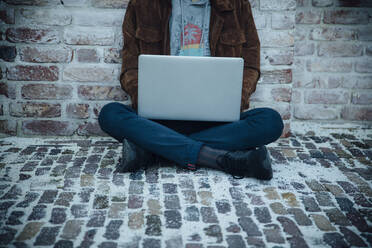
190,88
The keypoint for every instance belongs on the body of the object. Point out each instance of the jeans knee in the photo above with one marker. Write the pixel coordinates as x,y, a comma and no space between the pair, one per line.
107,112
276,123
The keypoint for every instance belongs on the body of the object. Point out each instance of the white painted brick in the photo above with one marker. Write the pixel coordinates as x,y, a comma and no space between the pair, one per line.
89,36
277,38
56,17
97,18
283,20
278,4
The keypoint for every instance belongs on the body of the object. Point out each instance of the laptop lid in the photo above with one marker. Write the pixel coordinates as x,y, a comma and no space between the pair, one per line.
191,88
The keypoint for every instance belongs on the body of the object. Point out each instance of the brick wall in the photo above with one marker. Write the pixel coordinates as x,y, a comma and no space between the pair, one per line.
61,63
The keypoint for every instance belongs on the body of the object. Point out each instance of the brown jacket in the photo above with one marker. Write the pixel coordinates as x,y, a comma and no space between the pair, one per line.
232,33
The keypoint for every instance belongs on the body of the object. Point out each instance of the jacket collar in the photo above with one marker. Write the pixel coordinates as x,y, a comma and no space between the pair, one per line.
220,5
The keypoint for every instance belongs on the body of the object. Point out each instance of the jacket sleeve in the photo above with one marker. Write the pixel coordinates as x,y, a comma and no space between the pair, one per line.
130,53
251,54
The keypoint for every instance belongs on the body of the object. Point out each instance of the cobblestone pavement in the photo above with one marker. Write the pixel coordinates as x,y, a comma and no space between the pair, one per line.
67,193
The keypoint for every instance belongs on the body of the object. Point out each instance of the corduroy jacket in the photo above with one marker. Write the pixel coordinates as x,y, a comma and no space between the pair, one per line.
232,33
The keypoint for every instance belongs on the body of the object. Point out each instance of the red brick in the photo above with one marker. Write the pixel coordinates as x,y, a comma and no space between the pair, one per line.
315,112
322,3
46,55
115,4
333,33
364,65
327,97
340,49
90,128
8,127
286,131
32,73
97,109
354,3
327,65
308,17
112,55
8,90
278,5
46,91
34,109
87,55
1,109
30,35
281,94
352,113
365,34
7,16
300,34
8,53
277,76
78,111
48,127
302,3
345,17
101,93
34,2
362,98
304,48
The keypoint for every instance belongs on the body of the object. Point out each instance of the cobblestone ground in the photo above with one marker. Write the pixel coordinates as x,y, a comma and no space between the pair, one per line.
67,193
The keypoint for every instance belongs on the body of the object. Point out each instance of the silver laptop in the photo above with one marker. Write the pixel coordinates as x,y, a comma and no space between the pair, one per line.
190,87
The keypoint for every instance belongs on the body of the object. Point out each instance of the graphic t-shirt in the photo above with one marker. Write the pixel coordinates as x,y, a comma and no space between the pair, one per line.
193,18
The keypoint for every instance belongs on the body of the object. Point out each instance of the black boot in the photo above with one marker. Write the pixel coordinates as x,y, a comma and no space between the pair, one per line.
249,163
134,157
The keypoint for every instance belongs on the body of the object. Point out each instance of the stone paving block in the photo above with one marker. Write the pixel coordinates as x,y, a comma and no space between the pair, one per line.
174,242
116,210
14,218
278,208
324,199
112,230
289,226
206,197
97,218
215,232
7,235
235,241
262,214
337,217
79,210
64,244
335,240
273,234
223,206
241,209
38,212
151,243
72,229
208,215
310,204
352,238
136,220
192,213
47,236
322,223
249,226
58,216
300,217
153,225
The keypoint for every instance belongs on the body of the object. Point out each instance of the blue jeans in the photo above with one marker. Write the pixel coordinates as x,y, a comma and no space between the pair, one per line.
180,141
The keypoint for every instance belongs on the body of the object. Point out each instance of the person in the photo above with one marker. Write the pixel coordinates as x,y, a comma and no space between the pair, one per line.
222,28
